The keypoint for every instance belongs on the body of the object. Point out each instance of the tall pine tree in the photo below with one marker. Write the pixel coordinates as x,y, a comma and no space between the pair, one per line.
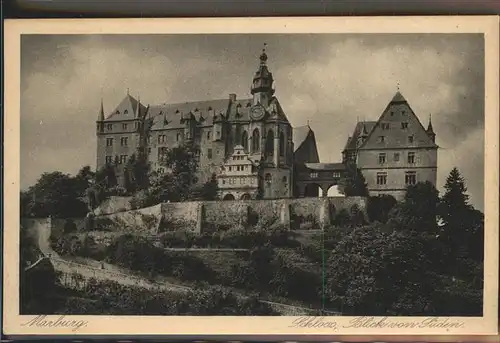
455,201
462,224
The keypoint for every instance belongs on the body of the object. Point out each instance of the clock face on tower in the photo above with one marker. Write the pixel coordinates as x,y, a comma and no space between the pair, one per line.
257,113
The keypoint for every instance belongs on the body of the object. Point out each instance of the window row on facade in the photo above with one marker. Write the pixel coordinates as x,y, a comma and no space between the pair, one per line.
119,159
123,141
410,178
315,175
243,140
387,126
124,126
239,180
410,157
381,139
242,168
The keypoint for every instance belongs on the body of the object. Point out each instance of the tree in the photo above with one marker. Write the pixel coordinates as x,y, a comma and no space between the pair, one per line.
55,194
353,183
137,172
378,207
463,226
375,271
418,211
85,177
210,189
180,183
106,176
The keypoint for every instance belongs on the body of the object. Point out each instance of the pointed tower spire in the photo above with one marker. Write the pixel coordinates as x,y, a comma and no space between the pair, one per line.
430,130
138,112
128,91
101,112
429,127
262,85
263,55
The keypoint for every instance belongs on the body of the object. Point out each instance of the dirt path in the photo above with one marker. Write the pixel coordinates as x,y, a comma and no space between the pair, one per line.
94,269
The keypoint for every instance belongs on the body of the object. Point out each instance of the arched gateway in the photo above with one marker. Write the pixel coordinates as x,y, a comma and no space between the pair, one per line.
313,179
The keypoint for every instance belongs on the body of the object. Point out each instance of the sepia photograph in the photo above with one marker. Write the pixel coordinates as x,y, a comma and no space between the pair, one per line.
308,175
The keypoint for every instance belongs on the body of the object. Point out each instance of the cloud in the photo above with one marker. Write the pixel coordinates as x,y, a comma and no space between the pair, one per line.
328,80
351,81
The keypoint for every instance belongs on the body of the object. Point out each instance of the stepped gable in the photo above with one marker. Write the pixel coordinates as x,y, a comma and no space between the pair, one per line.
396,124
127,110
173,114
361,127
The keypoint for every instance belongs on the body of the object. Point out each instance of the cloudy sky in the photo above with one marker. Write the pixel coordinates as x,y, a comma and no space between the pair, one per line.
329,80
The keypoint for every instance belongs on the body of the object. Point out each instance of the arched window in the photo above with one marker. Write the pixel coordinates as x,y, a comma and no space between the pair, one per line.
255,140
269,143
228,196
282,144
268,178
244,141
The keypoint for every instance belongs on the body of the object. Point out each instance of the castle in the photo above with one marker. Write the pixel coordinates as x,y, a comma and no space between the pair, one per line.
254,150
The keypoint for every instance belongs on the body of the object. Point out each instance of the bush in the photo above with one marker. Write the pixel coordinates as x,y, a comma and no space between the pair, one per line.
116,191
69,226
342,218
378,207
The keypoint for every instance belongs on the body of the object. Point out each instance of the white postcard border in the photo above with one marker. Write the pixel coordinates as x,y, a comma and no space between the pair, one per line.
134,325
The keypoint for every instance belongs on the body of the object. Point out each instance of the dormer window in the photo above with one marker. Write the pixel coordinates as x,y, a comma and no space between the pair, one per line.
410,139
404,125
176,111
117,112
125,112
385,126
249,104
381,139
210,108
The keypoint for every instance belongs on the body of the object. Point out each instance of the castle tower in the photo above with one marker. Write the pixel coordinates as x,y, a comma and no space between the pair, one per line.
262,85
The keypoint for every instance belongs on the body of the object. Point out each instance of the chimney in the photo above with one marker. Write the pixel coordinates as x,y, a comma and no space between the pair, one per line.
232,97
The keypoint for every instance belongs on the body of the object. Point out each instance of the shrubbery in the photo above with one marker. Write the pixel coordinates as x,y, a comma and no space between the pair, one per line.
242,239
111,298
404,263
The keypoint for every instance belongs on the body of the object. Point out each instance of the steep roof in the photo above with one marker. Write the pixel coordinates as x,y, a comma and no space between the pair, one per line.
396,125
363,126
126,110
173,113
299,135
